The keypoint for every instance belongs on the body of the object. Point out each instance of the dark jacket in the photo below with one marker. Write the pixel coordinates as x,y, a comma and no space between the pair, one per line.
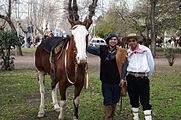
108,67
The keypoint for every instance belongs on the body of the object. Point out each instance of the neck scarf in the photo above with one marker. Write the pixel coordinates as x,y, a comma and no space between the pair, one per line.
136,50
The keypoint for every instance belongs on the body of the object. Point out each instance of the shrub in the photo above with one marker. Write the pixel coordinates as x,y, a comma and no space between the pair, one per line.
8,42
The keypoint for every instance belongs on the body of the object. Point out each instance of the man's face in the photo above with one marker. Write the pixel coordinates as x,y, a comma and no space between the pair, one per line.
113,42
132,42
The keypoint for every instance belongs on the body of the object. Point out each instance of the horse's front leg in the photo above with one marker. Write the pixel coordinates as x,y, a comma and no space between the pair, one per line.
54,99
41,76
62,102
76,100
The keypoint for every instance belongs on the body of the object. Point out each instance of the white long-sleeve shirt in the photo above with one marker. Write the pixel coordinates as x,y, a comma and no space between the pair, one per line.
140,62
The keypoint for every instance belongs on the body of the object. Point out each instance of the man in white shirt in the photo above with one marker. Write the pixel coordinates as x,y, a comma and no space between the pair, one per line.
140,67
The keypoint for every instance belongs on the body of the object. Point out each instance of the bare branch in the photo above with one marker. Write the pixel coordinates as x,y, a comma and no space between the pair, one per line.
3,26
70,12
9,9
92,8
75,10
22,28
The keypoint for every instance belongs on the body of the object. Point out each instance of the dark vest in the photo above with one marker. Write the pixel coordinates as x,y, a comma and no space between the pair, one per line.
108,70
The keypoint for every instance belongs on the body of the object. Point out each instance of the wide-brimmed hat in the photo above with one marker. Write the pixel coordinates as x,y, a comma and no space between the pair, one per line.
133,35
110,36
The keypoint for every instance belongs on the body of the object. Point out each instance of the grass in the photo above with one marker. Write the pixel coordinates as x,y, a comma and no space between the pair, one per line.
19,97
29,50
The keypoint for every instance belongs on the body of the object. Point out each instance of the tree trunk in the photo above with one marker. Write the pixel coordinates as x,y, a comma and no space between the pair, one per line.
13,29
153,37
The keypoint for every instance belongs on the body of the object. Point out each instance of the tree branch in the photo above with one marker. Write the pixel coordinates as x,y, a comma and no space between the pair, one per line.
9,9
92,8
22,28
75,11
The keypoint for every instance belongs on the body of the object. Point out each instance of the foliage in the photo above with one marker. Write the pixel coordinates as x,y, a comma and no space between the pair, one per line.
106,26
8,41
113,22
19,97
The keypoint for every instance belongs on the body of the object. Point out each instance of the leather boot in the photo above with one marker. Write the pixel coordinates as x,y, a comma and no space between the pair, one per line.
108,112
147,114
113,110
135,113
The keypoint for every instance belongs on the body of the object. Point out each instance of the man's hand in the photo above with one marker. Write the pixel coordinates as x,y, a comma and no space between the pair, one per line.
122,82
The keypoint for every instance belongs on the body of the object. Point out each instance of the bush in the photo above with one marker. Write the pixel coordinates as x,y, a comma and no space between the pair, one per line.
8,42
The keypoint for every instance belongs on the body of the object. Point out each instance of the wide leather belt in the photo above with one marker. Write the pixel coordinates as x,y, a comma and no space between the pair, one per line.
138,74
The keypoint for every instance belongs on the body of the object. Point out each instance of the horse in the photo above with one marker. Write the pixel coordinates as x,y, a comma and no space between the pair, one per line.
178,42
70,68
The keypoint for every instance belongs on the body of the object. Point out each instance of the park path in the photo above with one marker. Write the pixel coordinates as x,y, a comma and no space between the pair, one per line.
27,61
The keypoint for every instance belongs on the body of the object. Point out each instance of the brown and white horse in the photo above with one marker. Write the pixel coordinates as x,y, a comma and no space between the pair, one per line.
70,69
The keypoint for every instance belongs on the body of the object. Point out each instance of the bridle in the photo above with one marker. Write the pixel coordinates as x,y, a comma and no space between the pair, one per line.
75,62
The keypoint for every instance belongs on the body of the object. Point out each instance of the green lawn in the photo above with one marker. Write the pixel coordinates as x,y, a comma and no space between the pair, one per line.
19,97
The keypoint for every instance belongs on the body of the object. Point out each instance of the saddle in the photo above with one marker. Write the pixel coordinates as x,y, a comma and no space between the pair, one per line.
53,43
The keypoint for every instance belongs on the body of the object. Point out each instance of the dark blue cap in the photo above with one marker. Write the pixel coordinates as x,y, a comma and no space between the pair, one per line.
110,36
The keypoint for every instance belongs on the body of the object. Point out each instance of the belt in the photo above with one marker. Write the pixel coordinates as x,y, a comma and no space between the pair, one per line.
138,74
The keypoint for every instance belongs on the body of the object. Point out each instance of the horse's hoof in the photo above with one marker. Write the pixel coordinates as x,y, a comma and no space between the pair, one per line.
57,109
40,114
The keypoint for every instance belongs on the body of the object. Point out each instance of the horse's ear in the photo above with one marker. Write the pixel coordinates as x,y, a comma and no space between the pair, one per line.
72,23
87,22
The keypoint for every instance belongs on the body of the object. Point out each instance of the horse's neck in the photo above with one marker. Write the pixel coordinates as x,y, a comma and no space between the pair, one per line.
71,53
79,70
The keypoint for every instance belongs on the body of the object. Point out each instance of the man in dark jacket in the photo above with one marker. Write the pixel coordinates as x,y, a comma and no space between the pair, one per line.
109,73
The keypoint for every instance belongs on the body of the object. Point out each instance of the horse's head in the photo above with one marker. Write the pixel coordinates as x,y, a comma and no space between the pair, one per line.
80,34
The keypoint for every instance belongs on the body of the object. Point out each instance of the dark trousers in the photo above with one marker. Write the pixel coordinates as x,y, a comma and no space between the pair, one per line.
111,93
139,90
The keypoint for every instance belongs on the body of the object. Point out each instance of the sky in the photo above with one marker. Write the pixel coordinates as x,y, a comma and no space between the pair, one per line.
129,2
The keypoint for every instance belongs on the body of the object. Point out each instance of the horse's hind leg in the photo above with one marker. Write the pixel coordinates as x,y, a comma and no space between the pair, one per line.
76,101
41,76
54,98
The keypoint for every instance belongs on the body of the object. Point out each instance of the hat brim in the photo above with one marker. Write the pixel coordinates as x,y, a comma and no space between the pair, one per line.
138,38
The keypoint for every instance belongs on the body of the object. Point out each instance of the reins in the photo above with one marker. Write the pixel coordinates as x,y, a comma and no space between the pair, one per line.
66,66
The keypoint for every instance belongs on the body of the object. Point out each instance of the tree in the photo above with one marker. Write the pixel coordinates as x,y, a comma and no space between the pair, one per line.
152,19
73,11
8,41
8,19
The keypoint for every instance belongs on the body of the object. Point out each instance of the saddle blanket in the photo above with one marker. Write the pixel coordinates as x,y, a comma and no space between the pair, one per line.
52,42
